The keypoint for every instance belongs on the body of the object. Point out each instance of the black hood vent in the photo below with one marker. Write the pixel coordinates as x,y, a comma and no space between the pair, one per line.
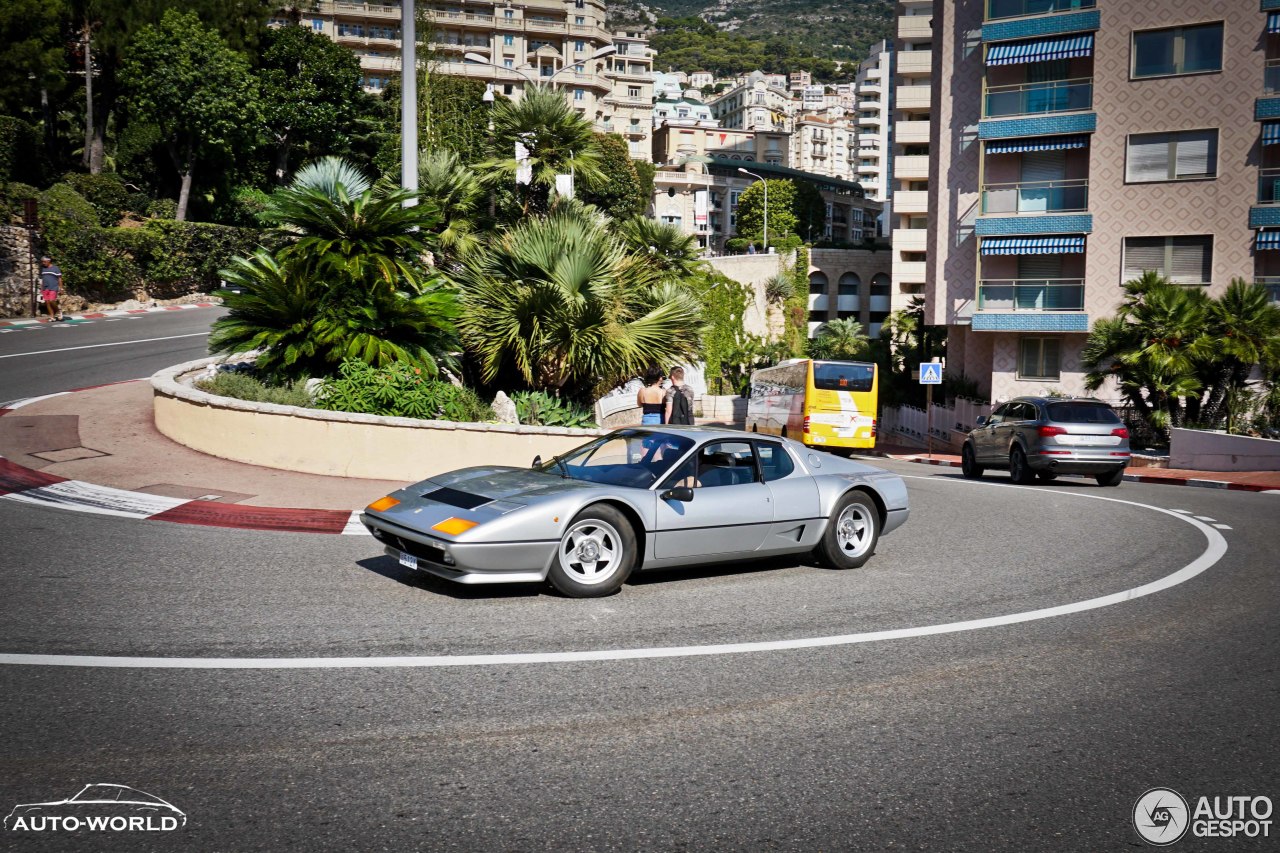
453,497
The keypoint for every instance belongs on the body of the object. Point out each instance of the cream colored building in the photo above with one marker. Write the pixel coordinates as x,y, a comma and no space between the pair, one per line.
911,152
870,151
753,105
563,43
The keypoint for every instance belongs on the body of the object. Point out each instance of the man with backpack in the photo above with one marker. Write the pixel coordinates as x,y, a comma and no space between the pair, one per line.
679,408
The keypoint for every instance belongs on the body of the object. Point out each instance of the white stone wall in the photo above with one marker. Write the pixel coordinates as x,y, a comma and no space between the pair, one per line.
17,272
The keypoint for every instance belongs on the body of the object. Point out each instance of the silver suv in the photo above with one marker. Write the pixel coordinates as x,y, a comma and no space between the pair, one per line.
1047,436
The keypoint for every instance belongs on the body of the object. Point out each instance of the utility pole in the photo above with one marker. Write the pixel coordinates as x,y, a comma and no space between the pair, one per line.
408,100
88,95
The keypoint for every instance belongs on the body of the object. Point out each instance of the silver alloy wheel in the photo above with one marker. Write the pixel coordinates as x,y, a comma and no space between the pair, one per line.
855,530
591,551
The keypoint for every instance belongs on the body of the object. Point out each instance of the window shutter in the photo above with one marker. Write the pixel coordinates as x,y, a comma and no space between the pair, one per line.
1148,157
1142,254
1197,153
1051,366
1192,260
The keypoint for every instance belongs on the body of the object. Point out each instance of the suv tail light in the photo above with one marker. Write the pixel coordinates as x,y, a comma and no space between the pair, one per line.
1046,431
1121,432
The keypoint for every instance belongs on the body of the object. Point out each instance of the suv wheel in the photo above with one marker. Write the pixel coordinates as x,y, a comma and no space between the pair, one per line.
1111,478
1019,471
968,464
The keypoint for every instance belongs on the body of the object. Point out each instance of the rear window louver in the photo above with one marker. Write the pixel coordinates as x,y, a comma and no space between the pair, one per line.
453,497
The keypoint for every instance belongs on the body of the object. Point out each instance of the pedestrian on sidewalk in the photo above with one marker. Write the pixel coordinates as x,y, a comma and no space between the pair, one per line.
50,284
679,399
651,398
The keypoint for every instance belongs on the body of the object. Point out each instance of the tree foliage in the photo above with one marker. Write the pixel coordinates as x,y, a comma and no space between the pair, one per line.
617,192
782,216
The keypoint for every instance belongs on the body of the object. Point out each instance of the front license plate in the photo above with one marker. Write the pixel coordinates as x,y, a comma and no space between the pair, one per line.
408,560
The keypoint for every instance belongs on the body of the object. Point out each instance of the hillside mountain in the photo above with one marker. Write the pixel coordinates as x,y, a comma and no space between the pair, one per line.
840,30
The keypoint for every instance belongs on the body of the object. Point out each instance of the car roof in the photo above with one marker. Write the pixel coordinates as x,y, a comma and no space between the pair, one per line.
698,432
1046,400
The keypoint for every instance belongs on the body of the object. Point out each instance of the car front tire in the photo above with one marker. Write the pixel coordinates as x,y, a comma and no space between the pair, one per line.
969,464
1019,471
852,533
595,555
1111,478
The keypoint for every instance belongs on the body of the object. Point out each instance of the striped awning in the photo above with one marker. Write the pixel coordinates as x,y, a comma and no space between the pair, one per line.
1271,133
1032,245
1040,50
1273,22
1267,240
1041,143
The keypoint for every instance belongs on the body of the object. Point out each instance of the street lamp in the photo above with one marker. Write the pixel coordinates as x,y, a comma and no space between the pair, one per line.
766,205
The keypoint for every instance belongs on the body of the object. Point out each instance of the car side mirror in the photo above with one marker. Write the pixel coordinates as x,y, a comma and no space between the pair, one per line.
537,460
982,421
684,494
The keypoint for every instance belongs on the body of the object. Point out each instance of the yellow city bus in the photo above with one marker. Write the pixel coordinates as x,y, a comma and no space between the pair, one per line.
826,404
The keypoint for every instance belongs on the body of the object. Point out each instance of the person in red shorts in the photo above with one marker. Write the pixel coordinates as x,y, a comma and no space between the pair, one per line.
50,284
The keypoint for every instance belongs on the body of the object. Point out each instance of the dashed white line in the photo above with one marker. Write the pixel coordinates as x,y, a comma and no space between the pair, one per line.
1205,518
113,344
1223,526
1217,547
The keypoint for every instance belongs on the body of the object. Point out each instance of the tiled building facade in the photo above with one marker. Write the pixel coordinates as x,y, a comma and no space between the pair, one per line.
1077,143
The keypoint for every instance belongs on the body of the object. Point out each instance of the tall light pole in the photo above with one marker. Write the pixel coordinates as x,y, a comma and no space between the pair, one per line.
766,205
408,100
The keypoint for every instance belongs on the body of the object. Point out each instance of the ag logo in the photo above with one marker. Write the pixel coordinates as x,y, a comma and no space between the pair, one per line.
1161,816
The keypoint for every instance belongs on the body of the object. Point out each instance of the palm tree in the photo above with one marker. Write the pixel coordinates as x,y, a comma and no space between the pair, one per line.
665,246
561,301
1245,328
840,339
455,190
559,141
335,219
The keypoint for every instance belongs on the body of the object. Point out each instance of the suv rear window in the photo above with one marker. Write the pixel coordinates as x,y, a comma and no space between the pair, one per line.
1082,413
842,376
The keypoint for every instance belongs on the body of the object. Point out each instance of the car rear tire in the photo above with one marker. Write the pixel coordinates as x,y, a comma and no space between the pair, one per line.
1111,478
969,464
596,554
1019,471
852,533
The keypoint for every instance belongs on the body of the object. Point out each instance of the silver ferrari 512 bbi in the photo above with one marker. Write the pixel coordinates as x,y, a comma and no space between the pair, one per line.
640,498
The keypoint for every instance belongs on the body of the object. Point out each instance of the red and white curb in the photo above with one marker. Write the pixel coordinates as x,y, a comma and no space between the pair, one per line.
29,486
115,314
1132,478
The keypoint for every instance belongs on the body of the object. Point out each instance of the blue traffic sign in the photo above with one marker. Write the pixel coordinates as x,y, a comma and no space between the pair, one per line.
930,373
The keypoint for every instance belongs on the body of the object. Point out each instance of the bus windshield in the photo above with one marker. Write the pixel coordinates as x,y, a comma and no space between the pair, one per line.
843,376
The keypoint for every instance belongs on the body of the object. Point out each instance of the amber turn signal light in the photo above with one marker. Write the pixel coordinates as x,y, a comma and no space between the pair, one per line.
383,504
454,526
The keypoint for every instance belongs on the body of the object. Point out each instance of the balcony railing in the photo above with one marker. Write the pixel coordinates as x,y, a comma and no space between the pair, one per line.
1036,197
1025,294
1271,77
1269,186
1271,283
998,10
1055,96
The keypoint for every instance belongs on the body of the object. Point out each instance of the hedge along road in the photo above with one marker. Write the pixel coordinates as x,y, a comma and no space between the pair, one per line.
59,357
990,593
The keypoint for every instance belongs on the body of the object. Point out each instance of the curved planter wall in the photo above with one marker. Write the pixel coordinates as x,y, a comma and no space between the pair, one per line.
341,444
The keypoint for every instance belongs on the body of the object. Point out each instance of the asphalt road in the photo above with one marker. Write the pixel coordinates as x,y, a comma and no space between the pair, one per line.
1038,735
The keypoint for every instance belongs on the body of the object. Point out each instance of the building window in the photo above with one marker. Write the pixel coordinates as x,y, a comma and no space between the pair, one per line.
579,20
317,25
1039,358
508,14
633,91
1178,50
508,63
579,94
1182,260
579,46
508,40
1172,156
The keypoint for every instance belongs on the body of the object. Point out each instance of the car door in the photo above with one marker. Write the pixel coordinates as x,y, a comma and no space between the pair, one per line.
984,438
731,510
795,497
1016,420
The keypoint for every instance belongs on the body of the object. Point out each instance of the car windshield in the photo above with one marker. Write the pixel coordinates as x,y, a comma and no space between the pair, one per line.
1082,413
634,458
842,376
94,793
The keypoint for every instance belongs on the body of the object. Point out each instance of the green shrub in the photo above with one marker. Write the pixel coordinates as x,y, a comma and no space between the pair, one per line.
162,208
12,195
398,391
106,193
243,386
538,408
244,209
184,257
97,263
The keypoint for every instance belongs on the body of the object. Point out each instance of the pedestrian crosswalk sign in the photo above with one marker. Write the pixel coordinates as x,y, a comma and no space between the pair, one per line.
930,373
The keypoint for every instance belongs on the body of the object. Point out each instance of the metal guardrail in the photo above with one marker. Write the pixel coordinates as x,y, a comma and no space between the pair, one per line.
1054,96
1021,294
999,10
1036,197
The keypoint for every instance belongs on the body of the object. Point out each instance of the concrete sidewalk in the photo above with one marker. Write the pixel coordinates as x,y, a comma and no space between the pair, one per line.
97,450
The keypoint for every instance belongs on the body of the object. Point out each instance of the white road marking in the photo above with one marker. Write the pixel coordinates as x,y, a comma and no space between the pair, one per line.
354,527
1223,526
1217,547
1205,518
1187,511
18,404
115,344
102,500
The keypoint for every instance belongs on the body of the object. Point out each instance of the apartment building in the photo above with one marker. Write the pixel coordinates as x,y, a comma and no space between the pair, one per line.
606,76
870,152
910,149
1079,144
753,104
821,146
